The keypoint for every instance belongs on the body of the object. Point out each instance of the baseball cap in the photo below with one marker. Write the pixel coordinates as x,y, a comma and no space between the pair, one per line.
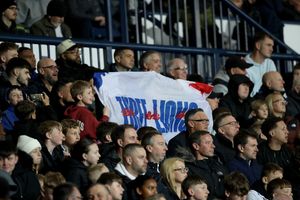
236,61
65,45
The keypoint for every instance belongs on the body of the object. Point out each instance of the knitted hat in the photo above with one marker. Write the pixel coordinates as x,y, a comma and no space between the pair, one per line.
27,144
6,4
56,8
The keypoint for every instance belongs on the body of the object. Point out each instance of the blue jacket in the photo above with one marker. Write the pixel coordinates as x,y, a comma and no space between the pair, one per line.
8,119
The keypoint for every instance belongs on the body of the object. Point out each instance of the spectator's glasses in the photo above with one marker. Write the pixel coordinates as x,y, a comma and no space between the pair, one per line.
282,102
182,169
233,123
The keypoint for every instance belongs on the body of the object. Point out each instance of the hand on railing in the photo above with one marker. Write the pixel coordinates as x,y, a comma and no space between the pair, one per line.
101,20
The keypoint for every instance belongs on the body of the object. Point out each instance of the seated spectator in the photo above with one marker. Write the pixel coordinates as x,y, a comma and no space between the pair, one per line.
51,137
238,98
113,183
236,186
17,71
270,172
98,191
124,60
274,149
95,172
14,96
245,161
32,147
21,174
66,191
272,82
61,98
157,197
30,11
156,149
293,106
52,180
144,130
71,131
151,61
177,69
260,110
233,65
195,120
7,185
204,163
75,169
279,189
144,187
113,152
28,55
27,124
82,94
195,188
260,58
52,24
173,172
226,128
104,131
276,105
9,12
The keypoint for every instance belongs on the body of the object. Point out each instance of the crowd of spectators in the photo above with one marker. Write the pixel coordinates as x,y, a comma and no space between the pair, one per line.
54,145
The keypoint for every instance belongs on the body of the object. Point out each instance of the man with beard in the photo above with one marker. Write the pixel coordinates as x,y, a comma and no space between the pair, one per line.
47,77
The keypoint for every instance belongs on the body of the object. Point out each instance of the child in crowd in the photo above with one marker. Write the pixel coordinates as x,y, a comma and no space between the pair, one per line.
51,180
113,182
71,131
95,171
32,148
144,186
195,188
260,113
280,189
236,186
52,137
259,189
82,93
14,96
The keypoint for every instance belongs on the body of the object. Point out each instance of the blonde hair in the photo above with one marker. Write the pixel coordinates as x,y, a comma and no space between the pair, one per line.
256,104
78,87
95,171
269,100
167,171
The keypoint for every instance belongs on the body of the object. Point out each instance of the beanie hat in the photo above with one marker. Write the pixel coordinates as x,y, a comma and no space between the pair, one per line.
56,8
6,4
27,144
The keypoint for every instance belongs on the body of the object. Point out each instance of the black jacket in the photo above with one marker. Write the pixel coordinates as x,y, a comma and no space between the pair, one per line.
109,155
51,162
224,148
213,172
293,106
180,140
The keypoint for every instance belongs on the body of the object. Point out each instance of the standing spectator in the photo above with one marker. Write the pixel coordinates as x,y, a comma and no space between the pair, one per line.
151,61
52,24
124,60
30,11
82,93
260,58
177,69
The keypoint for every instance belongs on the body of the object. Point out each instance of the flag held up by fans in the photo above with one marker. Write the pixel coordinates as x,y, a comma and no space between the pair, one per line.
150,99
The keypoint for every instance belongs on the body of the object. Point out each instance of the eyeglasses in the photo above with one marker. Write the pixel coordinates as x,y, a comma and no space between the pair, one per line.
200,120
233,123
181,68
52,67
182,169
283,102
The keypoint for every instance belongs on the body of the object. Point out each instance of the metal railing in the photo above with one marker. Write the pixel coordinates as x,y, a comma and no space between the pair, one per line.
160,26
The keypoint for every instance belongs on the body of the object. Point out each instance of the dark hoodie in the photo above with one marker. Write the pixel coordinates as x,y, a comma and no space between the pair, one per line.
240,110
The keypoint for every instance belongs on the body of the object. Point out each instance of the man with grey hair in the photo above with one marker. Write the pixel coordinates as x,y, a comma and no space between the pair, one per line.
151,61
177,69
195,120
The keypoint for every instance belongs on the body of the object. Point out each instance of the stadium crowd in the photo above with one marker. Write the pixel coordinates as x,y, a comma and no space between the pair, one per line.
55,144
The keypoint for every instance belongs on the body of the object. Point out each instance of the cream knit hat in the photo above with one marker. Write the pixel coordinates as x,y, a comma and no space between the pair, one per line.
27,144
